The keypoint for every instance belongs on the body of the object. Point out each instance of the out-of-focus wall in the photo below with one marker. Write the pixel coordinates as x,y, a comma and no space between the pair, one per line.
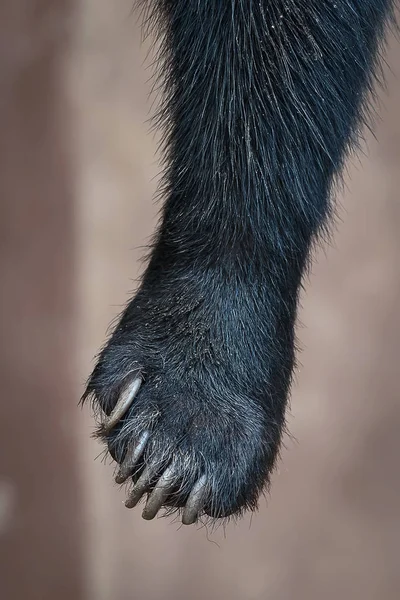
77,207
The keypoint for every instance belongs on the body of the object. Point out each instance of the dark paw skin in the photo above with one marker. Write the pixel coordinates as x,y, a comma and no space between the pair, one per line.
190,392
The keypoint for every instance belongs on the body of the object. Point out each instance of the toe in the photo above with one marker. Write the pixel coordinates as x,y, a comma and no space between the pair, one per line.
160,493
132,457
195,502
124,401
142,486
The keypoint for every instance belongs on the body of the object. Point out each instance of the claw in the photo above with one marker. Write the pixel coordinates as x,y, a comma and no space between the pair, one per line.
140,487
125,400
133,454
159,494
195,502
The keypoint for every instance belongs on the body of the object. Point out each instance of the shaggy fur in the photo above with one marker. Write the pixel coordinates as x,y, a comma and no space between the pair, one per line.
263,99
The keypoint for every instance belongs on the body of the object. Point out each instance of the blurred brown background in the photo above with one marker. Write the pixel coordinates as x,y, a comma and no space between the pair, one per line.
77,176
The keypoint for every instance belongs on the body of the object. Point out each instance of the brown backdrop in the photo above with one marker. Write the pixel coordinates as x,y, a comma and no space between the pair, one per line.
77,179
40,501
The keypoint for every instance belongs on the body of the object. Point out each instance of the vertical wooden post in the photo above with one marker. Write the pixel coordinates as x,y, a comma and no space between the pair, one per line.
39,494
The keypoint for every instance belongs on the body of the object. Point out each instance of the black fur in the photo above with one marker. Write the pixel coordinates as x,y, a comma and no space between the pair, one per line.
263,99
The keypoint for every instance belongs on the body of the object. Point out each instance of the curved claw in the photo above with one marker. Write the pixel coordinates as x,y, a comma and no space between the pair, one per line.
195,502
141,486
159,494
125,400
133,454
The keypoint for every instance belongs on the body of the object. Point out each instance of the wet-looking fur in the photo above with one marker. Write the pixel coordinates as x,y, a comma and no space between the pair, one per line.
263,100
